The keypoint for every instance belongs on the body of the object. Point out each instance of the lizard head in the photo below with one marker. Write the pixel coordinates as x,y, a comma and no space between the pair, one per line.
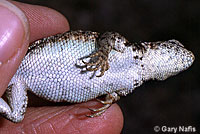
167,58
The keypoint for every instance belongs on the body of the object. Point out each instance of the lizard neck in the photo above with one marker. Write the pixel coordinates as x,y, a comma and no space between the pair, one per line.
143,65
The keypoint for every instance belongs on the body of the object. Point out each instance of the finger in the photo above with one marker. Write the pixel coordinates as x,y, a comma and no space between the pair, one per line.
51,27
14,39
66,120
43,21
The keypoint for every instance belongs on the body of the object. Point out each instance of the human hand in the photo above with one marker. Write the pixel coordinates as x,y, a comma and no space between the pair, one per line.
25,24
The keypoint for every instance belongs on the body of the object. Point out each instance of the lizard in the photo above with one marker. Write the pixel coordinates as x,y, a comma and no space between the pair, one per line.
78,66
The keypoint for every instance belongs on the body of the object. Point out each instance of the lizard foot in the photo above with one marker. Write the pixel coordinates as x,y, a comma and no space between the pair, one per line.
106,42
101,62
110,99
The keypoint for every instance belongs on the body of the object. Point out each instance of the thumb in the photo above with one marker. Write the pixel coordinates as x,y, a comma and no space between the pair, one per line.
14,40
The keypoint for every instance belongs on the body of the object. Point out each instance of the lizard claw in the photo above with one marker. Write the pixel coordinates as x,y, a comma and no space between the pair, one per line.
96,114
101,62
110,99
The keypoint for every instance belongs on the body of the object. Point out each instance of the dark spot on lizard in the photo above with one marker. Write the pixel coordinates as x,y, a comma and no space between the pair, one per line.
153,45
136,84
169,47
136,57
134,48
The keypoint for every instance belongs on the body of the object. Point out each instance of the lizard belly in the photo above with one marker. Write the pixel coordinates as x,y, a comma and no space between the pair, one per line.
53,73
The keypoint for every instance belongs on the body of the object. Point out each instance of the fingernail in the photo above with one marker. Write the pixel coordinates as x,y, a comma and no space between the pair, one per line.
13,30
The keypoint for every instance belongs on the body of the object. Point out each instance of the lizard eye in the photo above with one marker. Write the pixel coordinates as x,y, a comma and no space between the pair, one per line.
175,42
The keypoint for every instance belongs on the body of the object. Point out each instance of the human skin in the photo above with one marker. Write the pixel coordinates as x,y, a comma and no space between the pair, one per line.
43,22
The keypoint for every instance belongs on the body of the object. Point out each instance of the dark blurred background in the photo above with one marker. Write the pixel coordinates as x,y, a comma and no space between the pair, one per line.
174,102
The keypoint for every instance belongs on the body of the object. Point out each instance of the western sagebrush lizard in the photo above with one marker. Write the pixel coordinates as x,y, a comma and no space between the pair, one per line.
78,66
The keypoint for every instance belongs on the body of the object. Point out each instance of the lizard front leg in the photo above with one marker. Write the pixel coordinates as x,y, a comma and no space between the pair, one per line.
105,43
17,102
